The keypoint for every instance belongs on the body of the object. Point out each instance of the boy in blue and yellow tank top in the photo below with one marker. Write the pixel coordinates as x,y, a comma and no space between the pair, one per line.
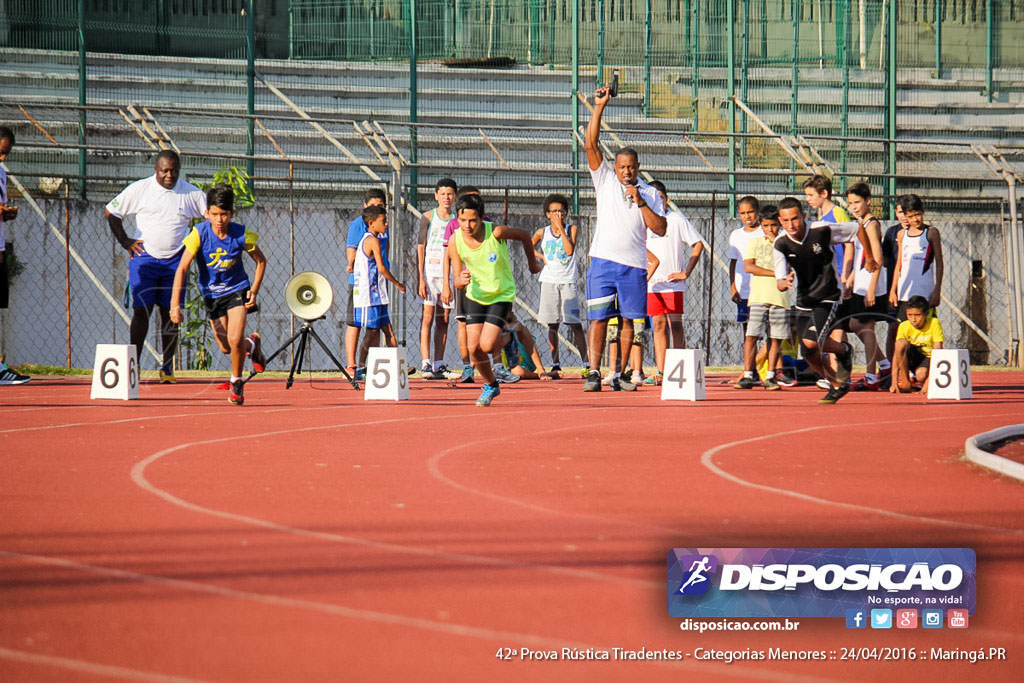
227,291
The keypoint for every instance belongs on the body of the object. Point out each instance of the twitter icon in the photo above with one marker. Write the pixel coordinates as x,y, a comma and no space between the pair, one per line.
881,618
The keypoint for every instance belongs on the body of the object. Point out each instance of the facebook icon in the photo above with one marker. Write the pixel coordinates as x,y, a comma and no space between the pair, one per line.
856,618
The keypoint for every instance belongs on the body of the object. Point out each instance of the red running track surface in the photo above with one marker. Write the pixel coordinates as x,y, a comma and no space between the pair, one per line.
311,535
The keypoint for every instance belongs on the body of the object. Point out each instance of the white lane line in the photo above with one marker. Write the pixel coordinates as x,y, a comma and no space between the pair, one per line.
434,467
138,475
707,459
510,638
82,666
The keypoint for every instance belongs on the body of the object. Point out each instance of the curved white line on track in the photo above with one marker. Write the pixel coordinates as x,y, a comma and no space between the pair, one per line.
434,467
82,666
707,456
139,477
447,628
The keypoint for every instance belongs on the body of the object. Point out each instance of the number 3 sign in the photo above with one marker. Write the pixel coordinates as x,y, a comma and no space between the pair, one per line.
115,373
949,374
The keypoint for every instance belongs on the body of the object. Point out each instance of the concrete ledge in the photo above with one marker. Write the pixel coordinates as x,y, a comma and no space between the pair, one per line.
975,453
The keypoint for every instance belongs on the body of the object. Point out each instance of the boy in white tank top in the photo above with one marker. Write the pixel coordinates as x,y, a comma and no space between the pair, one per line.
919,263
429,256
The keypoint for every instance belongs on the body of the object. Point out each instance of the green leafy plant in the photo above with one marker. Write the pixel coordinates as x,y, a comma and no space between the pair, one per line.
195,334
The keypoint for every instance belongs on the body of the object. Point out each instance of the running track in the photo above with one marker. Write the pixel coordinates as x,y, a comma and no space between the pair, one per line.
313,536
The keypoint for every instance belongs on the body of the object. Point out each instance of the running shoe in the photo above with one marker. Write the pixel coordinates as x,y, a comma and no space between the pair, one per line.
654,380
467,375
441,371
593,382
426,368
556,369
823,384
844,363
834,394
259,362
747,383
770,384
502,375
622,384
607,379
490,391
237,396
166,377
9,377
864,385
784,380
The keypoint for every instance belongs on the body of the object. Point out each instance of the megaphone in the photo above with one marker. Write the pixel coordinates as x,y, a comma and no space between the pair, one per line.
308,295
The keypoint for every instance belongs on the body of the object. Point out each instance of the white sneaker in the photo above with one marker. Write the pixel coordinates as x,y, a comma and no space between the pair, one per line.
824,384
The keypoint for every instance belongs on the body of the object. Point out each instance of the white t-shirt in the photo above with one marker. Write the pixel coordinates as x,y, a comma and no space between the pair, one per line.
559,267
620,234
738,240
673,252
161,216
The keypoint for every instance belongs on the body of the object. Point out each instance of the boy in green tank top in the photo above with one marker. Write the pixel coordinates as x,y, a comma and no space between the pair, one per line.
478,252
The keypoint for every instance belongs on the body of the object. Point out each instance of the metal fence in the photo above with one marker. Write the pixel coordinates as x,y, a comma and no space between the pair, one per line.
66,301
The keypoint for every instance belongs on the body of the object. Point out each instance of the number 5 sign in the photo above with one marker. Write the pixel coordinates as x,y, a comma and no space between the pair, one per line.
684,375
115,373
386,378
949,374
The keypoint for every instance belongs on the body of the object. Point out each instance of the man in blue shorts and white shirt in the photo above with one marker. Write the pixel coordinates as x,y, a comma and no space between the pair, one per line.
617,278
163,205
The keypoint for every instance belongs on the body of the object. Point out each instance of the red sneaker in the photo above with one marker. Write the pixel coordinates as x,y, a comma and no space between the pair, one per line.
236,396
259,363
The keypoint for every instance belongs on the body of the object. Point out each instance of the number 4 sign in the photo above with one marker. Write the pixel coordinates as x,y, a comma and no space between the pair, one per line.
386,377
684,375
115,373
949,374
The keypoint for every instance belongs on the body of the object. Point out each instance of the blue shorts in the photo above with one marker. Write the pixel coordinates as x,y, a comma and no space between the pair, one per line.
615,289
371,317
151,280
742,311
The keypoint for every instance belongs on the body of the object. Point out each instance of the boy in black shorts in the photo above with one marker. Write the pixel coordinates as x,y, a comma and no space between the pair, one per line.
806,253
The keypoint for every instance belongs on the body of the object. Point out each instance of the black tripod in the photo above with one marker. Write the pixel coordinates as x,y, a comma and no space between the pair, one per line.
303,335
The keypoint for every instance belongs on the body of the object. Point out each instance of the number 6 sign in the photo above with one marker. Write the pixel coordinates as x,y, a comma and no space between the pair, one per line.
386,377
115,373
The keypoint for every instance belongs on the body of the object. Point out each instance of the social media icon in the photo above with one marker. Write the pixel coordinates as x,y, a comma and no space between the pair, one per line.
881,618
906,618
931,618
957,618
856,618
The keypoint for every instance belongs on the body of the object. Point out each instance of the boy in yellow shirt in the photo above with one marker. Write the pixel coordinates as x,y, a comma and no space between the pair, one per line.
916,337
